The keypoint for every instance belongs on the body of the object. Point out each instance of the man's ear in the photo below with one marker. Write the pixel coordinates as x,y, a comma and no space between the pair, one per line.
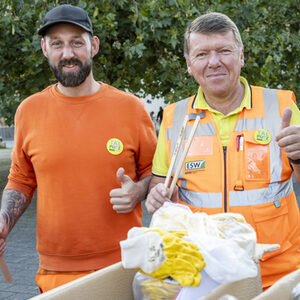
43,46
189,67
242,58
95,45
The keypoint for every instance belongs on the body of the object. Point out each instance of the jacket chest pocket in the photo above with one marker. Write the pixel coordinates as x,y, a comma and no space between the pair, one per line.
256,158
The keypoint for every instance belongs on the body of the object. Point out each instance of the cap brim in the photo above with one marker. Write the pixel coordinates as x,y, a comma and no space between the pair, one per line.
42,30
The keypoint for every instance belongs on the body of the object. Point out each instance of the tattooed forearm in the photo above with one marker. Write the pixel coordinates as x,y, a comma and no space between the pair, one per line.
13,205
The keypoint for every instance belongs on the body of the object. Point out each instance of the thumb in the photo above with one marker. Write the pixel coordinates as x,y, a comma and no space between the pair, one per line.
286,118
122,177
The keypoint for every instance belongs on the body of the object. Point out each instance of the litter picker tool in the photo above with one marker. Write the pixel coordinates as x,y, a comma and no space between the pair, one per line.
176,150
5,270
182,158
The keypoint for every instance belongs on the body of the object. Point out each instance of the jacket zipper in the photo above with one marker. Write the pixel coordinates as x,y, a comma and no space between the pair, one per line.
225,179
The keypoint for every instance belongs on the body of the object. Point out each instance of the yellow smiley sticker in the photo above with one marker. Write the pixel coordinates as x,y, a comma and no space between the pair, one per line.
114,146
262,136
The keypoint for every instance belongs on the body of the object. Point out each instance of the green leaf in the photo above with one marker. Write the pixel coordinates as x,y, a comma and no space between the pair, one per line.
141,45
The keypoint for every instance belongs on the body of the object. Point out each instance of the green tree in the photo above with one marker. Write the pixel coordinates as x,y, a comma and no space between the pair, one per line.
142,45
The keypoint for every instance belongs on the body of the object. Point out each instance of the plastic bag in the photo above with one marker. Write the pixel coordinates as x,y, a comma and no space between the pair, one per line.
149,288
189,293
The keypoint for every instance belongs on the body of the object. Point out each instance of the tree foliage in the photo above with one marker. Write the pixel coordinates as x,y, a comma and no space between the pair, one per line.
142,45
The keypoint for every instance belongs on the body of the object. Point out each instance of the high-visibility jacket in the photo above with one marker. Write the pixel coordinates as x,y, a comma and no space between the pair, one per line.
251,176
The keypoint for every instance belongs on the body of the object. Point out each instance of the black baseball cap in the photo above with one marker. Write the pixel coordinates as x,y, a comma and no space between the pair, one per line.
66,14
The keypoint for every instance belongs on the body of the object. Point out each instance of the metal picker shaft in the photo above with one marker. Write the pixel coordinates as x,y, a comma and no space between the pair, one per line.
182,158
176,150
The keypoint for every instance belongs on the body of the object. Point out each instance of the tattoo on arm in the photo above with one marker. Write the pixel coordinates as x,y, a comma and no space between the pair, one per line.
13,205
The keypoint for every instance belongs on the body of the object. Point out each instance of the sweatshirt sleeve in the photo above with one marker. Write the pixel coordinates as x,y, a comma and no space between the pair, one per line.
21,176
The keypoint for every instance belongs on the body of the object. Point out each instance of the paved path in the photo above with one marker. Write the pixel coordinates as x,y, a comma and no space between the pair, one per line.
22,259
21,255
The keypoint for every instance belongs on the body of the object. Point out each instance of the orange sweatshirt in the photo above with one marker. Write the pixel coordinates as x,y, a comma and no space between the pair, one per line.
70,149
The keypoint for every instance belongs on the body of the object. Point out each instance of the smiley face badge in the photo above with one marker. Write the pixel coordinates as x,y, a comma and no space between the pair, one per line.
262,136
114,146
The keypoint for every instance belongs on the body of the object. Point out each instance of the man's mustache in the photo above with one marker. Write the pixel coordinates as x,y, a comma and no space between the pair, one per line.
72,61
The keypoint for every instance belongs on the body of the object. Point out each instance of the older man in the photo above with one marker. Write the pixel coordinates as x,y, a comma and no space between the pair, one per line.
245,148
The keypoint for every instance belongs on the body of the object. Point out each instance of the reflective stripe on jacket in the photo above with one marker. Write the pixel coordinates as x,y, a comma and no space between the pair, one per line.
251,176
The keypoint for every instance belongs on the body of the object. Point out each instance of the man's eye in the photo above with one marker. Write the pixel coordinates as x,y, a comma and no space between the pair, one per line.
225,51
201,54
77,43
56,44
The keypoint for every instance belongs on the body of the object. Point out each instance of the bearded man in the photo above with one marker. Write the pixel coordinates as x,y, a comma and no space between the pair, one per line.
87,148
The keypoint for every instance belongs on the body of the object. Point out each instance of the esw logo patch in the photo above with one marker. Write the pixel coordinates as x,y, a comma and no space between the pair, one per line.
195,165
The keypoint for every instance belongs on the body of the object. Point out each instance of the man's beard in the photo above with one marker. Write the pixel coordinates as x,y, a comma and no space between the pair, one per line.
72,79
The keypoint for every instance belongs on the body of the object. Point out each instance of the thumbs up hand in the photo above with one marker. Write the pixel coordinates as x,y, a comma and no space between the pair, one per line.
288,137
125,199
286,118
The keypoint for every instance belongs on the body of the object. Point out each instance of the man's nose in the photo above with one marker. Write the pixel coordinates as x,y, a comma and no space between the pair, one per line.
68,52
214,59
